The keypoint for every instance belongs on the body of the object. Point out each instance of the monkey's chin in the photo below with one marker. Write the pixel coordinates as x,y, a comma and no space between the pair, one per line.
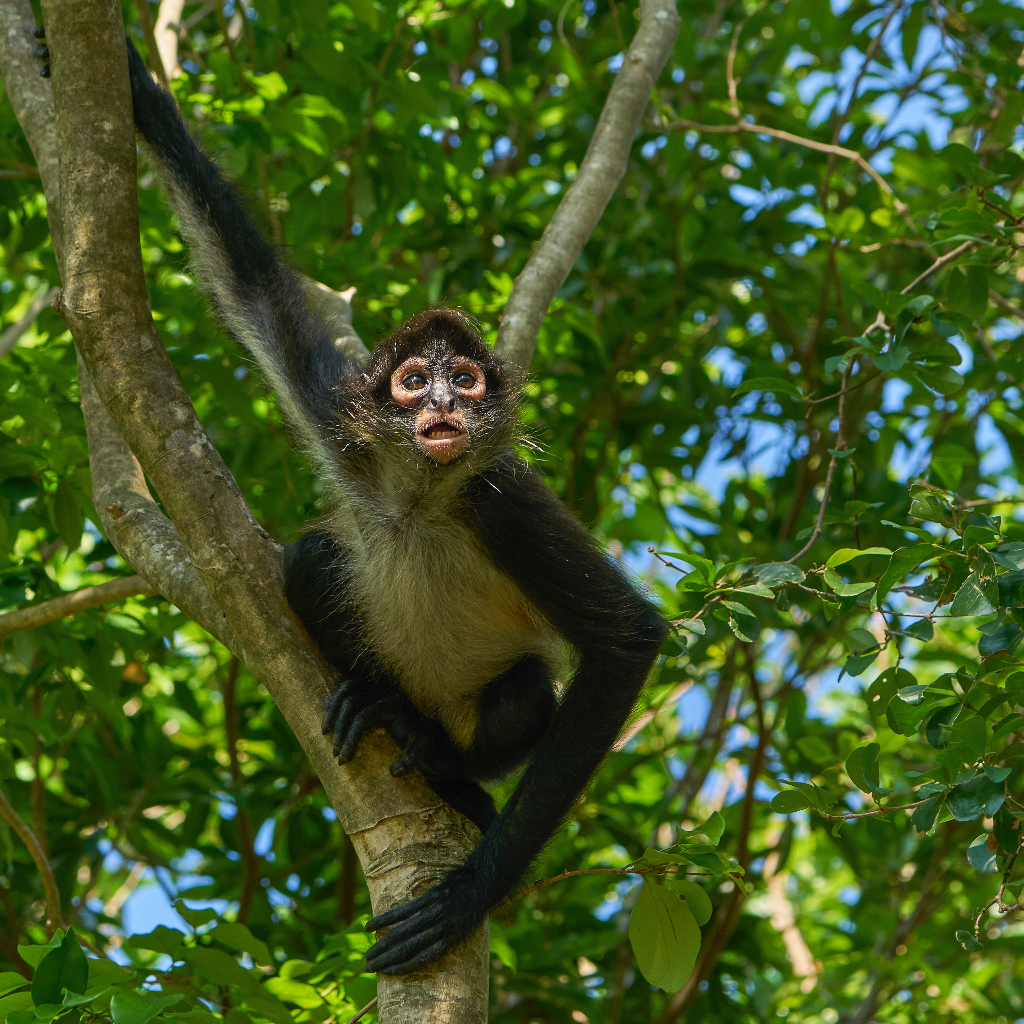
444,450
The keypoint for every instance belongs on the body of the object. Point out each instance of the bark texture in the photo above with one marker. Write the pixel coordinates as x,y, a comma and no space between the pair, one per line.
599,175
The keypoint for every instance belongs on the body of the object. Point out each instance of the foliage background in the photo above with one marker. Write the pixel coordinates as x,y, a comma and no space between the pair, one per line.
416,151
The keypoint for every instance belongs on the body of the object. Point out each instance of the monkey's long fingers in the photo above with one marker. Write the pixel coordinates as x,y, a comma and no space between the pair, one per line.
367,719
333,707
407,956
412,758
343,725
409,917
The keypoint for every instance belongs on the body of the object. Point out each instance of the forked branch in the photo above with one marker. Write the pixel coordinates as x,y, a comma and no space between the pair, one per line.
599,175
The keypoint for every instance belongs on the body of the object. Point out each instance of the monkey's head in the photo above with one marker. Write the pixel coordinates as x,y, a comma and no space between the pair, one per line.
435,387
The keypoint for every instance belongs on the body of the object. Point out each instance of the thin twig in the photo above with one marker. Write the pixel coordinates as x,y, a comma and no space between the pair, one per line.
561,30
997,900
29,838
115,591
366,1009
658,869
938,265
776,133
10,337
839,394
869,54
146,21
833,463
872,813
643,719
730,68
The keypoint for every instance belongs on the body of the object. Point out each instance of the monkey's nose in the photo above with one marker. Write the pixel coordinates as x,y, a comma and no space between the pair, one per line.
433,403
451,405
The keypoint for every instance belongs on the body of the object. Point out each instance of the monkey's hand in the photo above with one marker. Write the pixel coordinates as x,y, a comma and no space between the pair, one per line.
356,708
426,928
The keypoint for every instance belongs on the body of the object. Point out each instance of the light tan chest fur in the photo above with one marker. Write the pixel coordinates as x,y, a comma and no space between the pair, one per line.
441,616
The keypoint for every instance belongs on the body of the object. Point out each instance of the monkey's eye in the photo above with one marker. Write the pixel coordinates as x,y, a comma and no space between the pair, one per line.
464,380
414,382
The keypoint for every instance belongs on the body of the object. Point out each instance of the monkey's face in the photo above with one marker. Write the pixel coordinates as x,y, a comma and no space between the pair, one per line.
443,392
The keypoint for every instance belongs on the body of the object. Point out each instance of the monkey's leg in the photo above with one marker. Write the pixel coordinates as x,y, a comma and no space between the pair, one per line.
514,713
515,710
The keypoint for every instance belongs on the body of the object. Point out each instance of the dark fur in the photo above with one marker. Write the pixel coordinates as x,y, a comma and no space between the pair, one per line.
483,534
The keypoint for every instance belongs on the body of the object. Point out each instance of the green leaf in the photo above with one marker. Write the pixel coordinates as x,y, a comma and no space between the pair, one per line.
967,291
966,164
14,1002
890,303
161,940
821,799
844,555
664,936
944,380
789,801
290,990
937,730
64,967
924,815
68,519
906,719
861,640
968,941
981,857
862,767
893,360
71,999
33,955
500,947
135,1008
772,574
977,596
196,918
971,800
694,626
775,385
236,936
836,584
9,981
696,899
1010,556
713,828
902,562
815,749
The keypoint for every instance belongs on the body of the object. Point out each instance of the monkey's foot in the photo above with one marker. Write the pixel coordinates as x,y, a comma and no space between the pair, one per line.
425,929
355,709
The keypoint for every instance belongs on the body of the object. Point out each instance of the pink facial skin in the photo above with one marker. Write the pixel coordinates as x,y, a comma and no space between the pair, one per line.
441,429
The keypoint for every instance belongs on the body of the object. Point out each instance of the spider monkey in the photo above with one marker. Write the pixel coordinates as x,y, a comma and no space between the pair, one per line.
445,583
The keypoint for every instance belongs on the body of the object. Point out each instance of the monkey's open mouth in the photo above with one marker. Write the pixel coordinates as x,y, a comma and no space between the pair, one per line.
442,431
443,439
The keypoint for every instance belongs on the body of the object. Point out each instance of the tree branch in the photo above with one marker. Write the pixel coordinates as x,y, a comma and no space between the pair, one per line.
777,133
113,592
10,337
31,840
406,838
599,175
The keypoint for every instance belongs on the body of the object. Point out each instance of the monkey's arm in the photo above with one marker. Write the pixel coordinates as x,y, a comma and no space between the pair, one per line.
255,297
617,635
